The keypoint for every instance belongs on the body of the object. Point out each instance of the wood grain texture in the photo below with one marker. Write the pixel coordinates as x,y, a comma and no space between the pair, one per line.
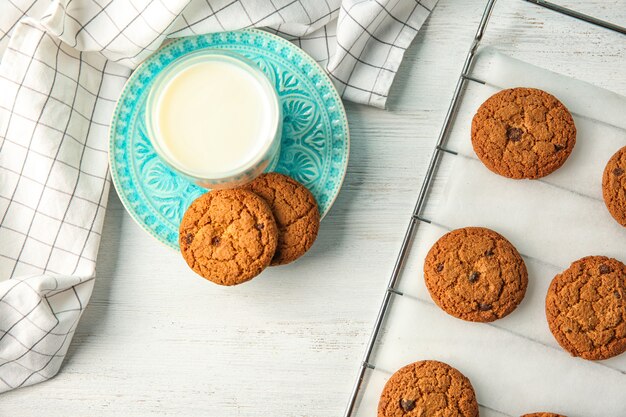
158,340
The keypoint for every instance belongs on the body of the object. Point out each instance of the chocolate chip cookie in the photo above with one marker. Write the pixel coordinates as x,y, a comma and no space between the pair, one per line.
228,236
296,213
428,389
614,186
543,414
586,308
475,274
523,133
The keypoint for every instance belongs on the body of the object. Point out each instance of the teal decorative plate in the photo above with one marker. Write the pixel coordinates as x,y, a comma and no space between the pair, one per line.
315,140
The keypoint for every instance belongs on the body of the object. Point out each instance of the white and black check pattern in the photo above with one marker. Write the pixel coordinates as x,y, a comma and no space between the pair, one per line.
63,66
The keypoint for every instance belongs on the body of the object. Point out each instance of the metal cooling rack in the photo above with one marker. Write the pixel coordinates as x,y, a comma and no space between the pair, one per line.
438,152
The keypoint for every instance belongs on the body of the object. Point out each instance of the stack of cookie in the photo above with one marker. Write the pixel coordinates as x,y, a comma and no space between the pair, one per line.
476,274
231,236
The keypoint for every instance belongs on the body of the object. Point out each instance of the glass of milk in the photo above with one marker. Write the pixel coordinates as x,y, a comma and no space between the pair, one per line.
214,117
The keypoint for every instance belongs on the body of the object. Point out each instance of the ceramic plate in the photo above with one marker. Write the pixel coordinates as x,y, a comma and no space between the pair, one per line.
315,140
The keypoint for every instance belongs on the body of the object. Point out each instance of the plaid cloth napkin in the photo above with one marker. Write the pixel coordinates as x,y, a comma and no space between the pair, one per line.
63,66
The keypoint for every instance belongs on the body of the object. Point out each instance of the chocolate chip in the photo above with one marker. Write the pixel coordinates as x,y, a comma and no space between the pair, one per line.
484,307
489,252
215,241
407,405
473,277
604,269
514,134
439,267
617,294
259,226
188,238
558,148
618,171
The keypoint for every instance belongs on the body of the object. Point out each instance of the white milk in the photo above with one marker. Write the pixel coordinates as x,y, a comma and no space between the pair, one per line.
214,118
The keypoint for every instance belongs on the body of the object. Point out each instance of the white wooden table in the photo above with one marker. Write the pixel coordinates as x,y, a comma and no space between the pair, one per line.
289,343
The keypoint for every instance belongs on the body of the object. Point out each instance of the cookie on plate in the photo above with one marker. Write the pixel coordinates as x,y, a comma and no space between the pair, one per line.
614,186
296,213
586,308
543,414
428,388
228,236
475,274
523,133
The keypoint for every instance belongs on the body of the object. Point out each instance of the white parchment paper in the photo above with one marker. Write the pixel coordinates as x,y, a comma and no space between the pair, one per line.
515,364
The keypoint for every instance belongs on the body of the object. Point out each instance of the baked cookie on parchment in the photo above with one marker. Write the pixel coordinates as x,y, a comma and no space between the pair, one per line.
614,186
543,414
523,133
428,389
586,308
475,274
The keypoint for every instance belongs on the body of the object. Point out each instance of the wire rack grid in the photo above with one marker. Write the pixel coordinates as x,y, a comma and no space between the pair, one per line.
416,216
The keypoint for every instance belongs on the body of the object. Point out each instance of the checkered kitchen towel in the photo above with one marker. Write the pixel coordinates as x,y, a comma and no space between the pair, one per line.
63,65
